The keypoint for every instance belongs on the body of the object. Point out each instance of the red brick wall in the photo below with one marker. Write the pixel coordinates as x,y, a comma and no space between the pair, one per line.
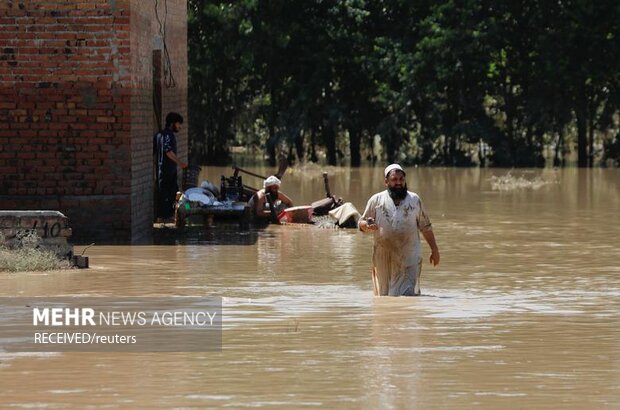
147,36
76,111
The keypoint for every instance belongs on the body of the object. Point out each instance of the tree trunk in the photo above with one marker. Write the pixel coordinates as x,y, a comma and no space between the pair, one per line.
271,153
528,159
591,112
299,146
482,155
330,143
217,153
271,144
313,157
271,126
199,139
559,147
510,131
452,150
539,156
290,157
371,144
582,137
354,141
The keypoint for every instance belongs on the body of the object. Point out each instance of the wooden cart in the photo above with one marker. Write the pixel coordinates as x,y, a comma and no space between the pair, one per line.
239,211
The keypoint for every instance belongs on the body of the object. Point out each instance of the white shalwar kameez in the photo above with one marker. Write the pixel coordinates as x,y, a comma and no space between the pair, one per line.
397,253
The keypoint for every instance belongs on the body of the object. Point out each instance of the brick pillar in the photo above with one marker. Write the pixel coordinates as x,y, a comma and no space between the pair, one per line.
76,115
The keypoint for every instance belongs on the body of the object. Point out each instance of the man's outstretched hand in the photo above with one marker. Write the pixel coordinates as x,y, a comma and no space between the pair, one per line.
368,225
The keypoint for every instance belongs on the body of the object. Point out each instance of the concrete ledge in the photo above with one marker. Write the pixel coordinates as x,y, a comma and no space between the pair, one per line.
51,226
97,218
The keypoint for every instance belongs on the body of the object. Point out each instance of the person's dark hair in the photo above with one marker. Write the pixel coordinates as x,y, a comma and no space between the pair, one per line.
173,117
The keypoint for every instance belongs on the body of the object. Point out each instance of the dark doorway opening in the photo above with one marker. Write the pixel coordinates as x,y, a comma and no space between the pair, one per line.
157,119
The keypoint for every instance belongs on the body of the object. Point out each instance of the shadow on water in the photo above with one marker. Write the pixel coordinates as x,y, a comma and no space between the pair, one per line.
220,234
437,296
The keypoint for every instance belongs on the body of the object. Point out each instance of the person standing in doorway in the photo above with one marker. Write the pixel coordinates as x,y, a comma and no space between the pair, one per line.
165,151
395,217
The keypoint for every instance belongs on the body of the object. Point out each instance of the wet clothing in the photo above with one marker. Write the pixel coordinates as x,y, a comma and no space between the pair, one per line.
259,200
167,187
397,250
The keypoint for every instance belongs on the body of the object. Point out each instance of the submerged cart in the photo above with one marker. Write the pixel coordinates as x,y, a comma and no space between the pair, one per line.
231,201
239,211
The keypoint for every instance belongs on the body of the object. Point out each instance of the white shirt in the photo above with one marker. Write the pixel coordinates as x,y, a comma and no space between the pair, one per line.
399,226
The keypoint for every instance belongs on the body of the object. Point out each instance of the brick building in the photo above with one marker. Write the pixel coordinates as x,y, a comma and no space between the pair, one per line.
83,87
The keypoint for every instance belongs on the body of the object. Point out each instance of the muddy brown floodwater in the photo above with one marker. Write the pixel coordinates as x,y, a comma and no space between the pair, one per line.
522,312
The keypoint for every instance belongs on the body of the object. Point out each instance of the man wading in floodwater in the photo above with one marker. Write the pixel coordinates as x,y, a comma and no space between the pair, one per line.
396,217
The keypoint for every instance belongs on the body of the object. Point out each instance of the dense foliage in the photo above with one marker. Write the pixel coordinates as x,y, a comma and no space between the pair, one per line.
504,83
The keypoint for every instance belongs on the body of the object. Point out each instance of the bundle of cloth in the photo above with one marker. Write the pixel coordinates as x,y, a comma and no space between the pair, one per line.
204,195
345,216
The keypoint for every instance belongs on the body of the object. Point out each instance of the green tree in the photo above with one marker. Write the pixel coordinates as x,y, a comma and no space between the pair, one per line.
433,79
221,74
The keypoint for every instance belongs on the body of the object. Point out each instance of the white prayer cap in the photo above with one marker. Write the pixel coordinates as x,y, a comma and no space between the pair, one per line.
272,180
392,167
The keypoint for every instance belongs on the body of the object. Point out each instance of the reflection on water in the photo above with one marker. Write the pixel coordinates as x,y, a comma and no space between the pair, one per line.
521,313
221,233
